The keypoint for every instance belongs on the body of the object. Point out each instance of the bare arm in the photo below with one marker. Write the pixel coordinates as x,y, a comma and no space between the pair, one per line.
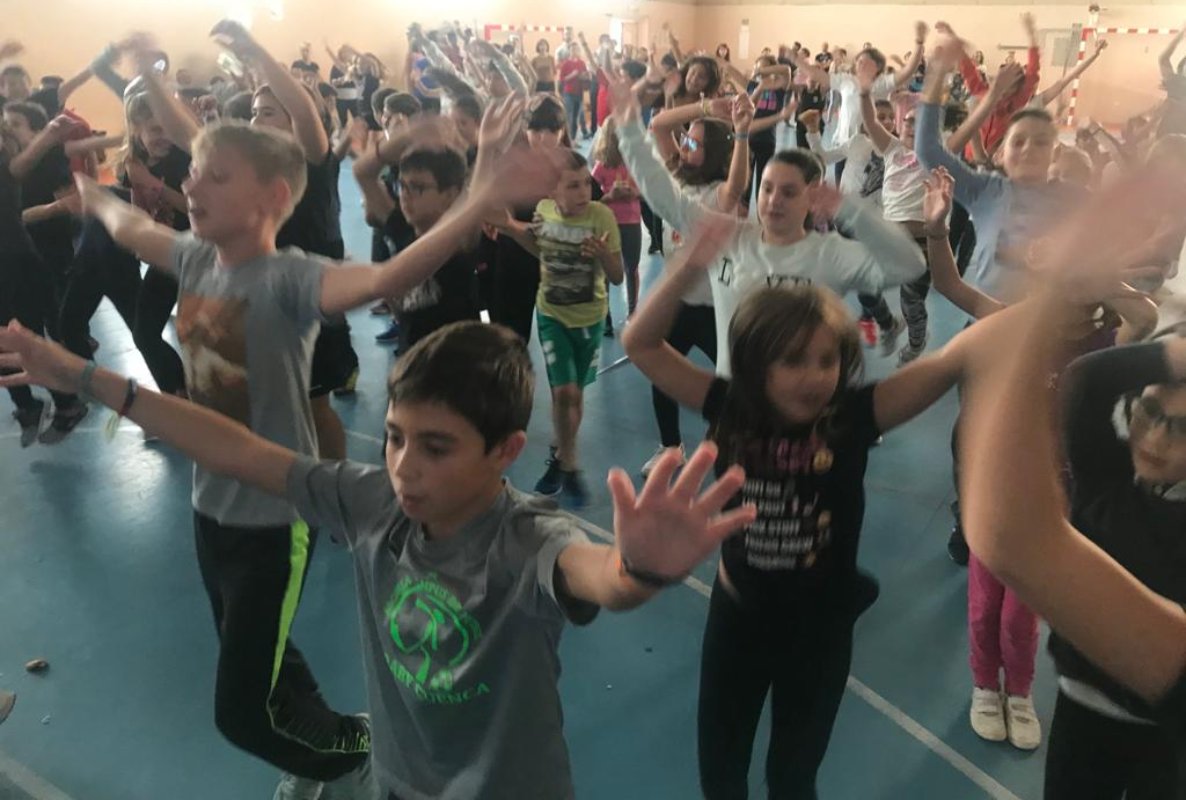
729,193
73,83
175,118
78,147
881,138
1165,59
1051,93
906,74
130,227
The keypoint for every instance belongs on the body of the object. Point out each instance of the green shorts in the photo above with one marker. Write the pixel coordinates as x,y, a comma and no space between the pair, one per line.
572,355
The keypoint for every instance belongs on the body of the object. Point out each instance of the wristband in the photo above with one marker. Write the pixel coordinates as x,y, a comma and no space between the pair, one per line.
936,234
703,107
129,397
651,580
742,136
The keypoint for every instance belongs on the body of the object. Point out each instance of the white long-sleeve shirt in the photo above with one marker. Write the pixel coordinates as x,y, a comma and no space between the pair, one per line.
878,255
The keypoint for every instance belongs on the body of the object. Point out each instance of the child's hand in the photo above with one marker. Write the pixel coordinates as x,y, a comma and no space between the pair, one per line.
38,362
623,101
936,203
520,176
825,201
140,176
866,74
596,247
63,128
501,124
710,237
810,119
1100,46
11,49
790,107
90,193
71,201
1008,79
234,37
743,113
670,527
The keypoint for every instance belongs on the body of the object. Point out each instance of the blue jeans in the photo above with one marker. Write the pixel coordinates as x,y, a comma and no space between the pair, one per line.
572,110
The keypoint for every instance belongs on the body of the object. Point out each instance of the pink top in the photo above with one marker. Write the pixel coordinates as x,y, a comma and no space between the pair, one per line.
626,212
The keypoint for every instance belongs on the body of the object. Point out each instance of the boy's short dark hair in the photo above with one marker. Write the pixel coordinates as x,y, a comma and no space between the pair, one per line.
469,105
378,98
14,70
52,81
192,93
402,103
1040,114
480,372
33,113
447,166
544,113
238,107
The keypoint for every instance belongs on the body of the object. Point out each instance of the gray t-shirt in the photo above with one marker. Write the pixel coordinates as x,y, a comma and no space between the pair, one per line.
460,636
246,336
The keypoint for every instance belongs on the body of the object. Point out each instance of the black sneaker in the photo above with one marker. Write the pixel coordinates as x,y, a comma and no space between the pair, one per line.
349,387
30,419
390,335
64,421
574,490
552,481
957,546
609,329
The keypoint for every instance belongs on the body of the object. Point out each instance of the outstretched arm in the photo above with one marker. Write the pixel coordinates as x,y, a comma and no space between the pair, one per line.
1051,93
130,227
1165,59
210,439
1008,79
906,74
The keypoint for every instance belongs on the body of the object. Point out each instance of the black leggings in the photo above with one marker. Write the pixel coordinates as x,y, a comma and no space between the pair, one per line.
654,225
802,659
276,715
26,295
695,326
759,155
1093,757
631,235
103,268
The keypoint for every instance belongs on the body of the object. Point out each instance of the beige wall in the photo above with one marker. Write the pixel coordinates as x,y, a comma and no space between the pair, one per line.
78,31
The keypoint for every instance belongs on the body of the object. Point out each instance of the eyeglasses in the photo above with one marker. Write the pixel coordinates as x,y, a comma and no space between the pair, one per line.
687,141
415,189
1145,412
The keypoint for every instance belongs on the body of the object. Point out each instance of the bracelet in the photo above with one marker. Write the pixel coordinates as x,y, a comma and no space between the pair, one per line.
86,380
742,136
129,398
936,234
651,580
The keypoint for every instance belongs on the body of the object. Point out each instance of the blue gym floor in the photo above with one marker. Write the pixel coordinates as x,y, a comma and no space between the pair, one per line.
99,578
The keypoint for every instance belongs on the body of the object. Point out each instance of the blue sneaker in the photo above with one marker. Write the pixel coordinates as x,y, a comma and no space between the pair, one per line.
573,489
390,335
552,481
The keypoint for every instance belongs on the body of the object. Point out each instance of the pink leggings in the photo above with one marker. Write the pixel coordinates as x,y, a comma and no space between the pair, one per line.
1002,633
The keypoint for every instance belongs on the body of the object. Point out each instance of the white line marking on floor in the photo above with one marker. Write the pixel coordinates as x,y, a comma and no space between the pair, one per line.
36,787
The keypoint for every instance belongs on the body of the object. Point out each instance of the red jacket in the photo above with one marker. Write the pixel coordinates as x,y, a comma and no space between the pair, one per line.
993,130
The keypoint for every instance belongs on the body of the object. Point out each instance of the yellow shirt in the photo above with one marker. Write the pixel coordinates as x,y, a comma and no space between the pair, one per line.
572,286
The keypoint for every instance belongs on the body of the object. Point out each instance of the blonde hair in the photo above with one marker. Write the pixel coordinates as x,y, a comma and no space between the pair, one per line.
271,153
137,112
606,149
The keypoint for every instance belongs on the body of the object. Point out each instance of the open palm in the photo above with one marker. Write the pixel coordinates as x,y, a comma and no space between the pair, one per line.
671,526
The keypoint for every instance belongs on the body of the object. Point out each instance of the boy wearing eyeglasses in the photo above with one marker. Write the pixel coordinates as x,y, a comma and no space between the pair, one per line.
579,249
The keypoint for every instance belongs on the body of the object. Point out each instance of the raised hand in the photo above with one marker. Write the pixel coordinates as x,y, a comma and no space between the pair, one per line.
742,112
1008,79
232,36
866,74
920,32
825,201
501,123
520,176
62,127
790,107
623,101
810,119
936,203
595,247
670,527
1100,46
11,49
90,193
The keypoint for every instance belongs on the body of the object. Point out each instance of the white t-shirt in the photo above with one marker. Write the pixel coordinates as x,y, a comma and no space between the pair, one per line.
848,117
904,185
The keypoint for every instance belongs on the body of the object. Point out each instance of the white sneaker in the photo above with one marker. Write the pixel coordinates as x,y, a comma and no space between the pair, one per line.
653,461
1025,732
987,715
292,787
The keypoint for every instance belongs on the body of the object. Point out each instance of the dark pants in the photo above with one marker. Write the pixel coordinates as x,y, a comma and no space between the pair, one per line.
1092,757
265,699
26,295
695,326
759,154
802,660
514,287
631,236
654,225
154,306
873,306
962,236
101,268
914,302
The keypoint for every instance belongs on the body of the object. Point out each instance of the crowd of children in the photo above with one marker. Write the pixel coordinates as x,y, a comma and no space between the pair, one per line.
910,173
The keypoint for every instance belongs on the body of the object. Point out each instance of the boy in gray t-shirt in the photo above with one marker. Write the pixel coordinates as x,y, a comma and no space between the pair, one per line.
247,319
463,583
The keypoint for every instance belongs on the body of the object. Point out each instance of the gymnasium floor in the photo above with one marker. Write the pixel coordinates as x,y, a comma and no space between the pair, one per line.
99,578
